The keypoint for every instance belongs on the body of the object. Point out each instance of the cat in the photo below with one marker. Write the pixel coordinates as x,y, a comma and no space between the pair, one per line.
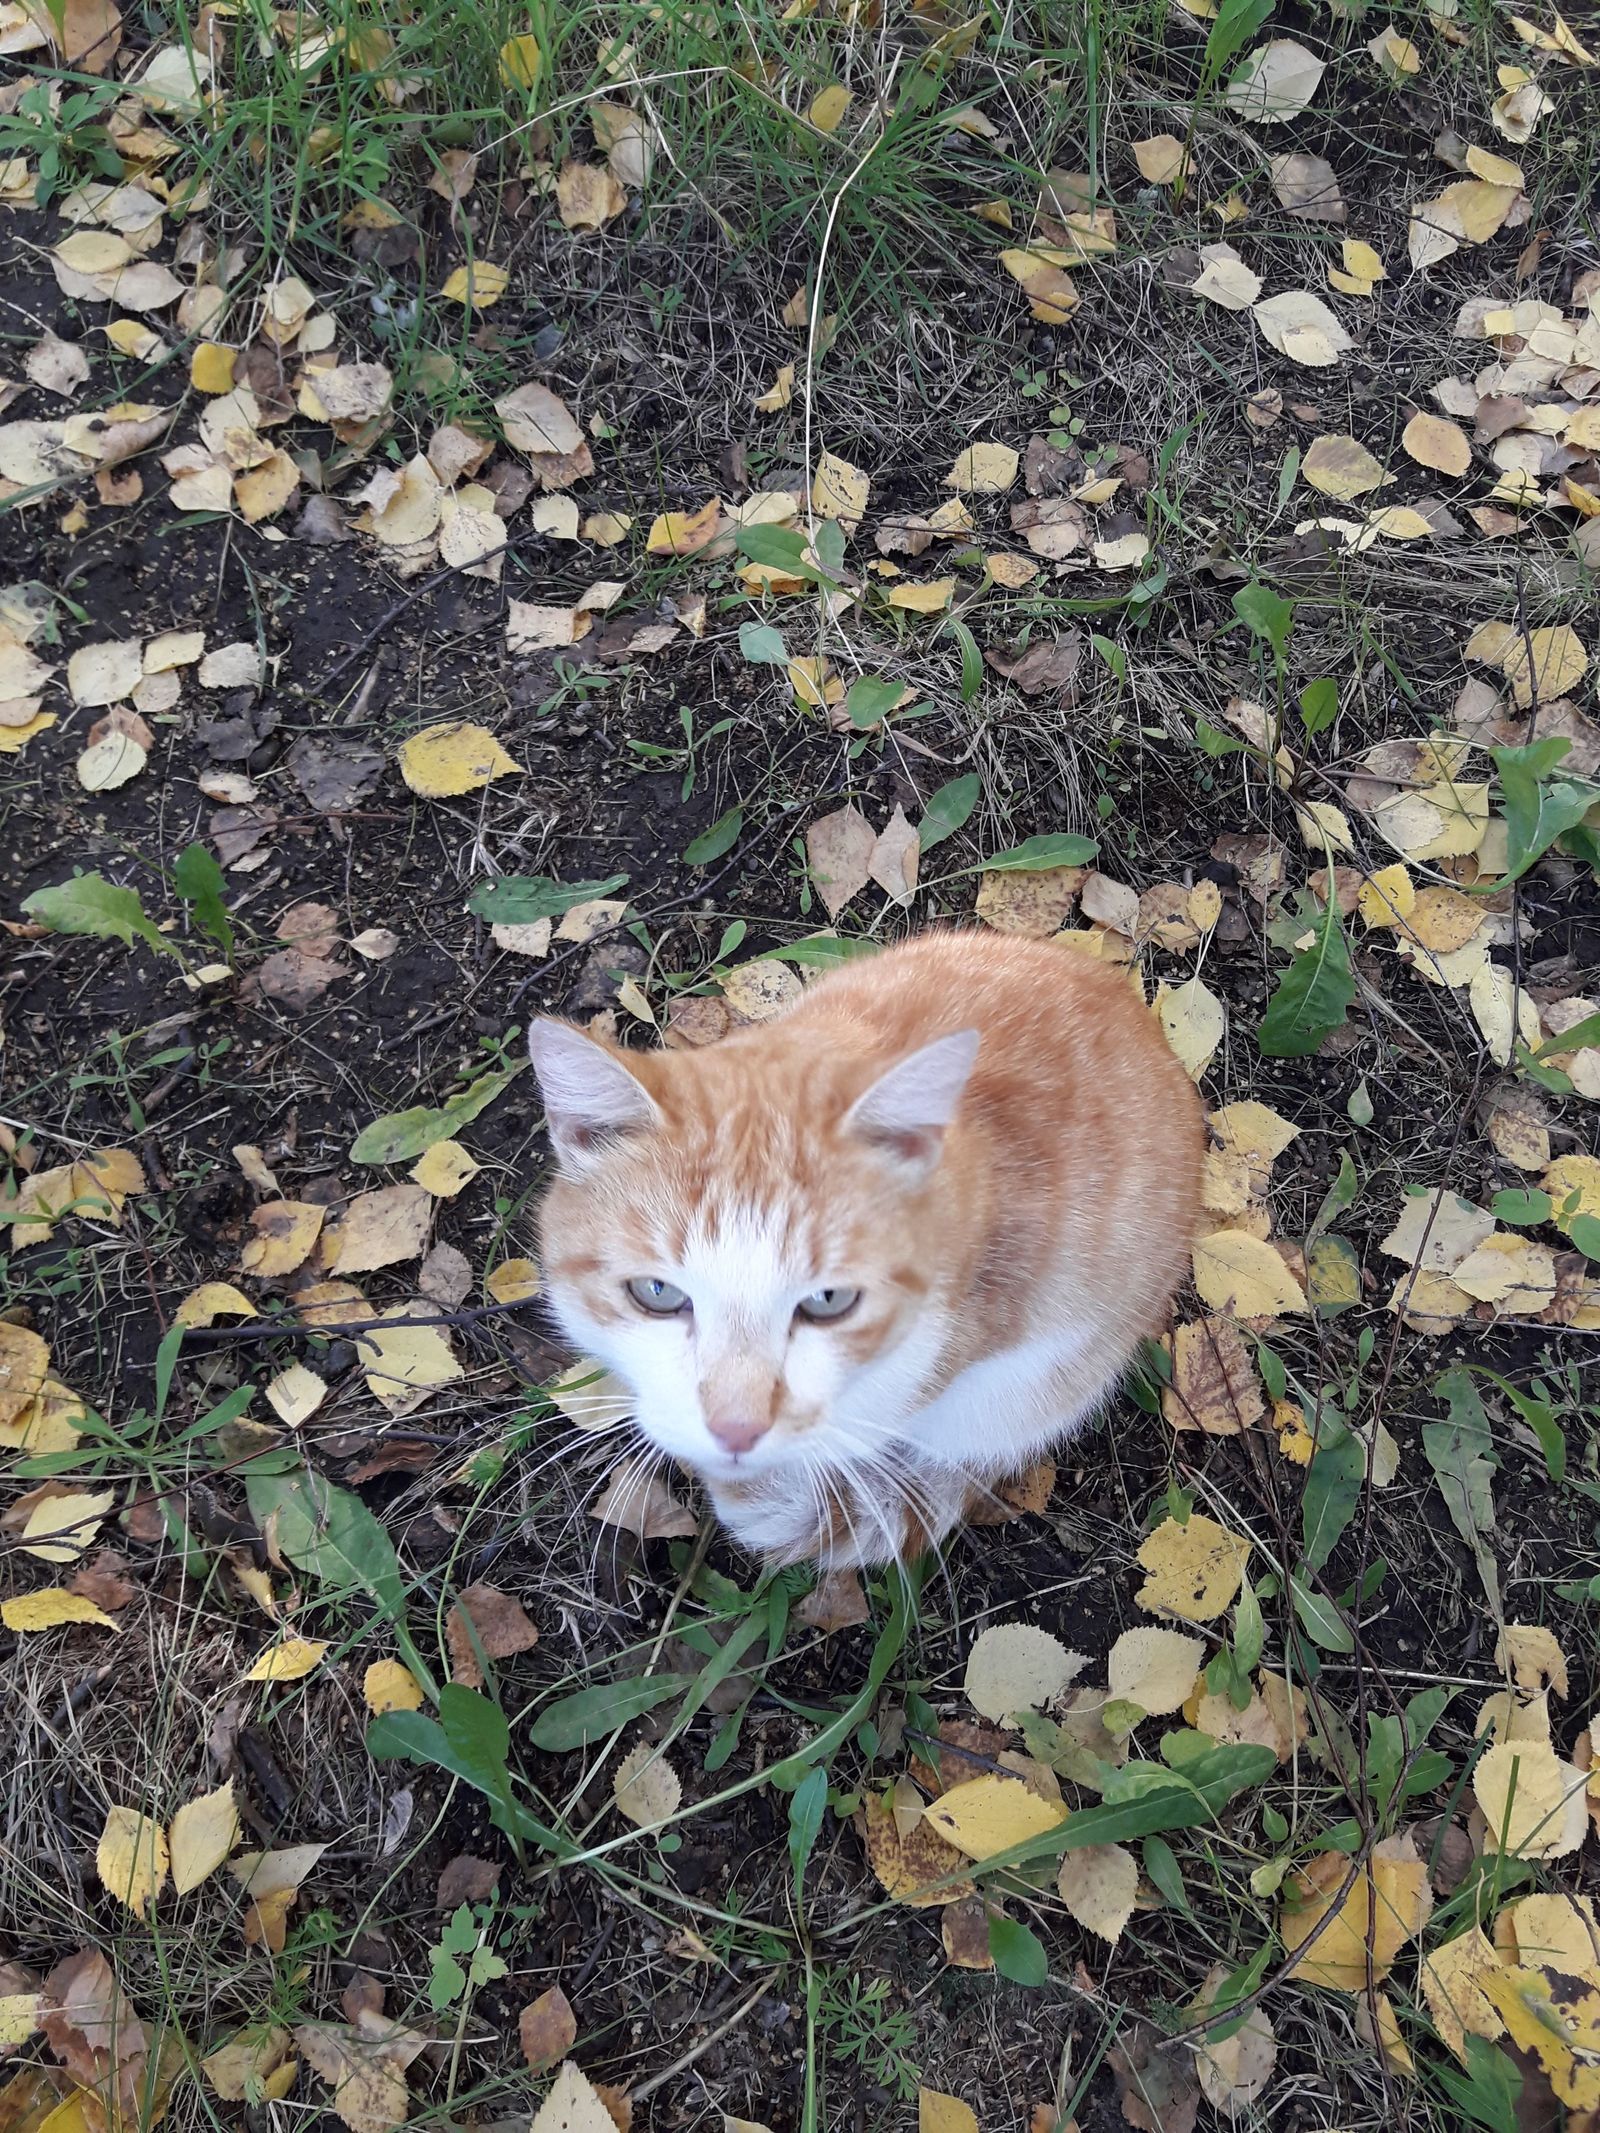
862,1261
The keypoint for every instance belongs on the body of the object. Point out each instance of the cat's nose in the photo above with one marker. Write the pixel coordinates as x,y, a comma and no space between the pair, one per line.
735,1435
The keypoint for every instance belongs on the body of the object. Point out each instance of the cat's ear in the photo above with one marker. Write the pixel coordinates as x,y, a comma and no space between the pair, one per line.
589,1094
907,1109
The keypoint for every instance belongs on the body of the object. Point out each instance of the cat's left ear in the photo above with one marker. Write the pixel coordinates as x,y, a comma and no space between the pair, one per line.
907,1109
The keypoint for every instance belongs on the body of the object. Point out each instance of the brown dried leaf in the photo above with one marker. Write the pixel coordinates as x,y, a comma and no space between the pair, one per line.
547,2028
488,1620
638,1500
839,851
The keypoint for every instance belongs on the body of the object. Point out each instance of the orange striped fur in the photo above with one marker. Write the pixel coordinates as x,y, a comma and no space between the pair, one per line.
1015,1222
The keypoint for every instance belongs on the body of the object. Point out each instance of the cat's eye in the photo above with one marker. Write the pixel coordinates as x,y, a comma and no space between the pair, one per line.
656,1296
823,1304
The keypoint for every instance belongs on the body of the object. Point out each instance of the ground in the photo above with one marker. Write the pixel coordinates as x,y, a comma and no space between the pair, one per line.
1120,639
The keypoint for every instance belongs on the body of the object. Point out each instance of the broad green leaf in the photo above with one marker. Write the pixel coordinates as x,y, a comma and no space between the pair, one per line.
822,950
1319,705
1333,1488
762,645
971,657
1320,1619
1583,1233
871,699
1577,1039
469,1739
593,1713
1018,1951
1036,854
1461,1452
519,899
1339,1198
1540,803
198,880
1523,1208
1263,612
404,1134
948,809
722,836
1164,1875
807,1805
1314,995
330,1534
89,904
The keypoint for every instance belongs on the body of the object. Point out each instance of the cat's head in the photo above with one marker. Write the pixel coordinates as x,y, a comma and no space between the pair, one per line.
743,1235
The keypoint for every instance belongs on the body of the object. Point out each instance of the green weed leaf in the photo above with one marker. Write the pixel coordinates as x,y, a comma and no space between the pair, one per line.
400,1135
722,836
1539,804
198,880
591,1714
1314,995
948,809
89,904
1018,1951
520,899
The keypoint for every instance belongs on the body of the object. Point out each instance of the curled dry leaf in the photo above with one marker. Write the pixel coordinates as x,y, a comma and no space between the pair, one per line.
485,1623
1388,1902
638,1500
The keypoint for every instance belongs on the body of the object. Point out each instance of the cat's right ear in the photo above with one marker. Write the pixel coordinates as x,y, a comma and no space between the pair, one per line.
589,1094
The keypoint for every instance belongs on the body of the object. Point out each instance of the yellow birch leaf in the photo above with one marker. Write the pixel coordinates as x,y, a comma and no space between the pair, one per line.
1098,1884
131,1858
49,1608
291,1660
1195,1569
202,1834
987,1814
60,1528
389,1685
1236,1272
456,757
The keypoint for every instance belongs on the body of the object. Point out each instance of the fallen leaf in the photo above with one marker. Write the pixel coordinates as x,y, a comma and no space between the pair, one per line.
646,1788
131,1859
1450,1977
256,2060
1453,1227
1275,82
405,1363
285,1231
1433,442
1195,1569
1194,1022
574,2105
365,2065
1300,326
485,1623
983,470
1305,185
1214,1386
840,491
838,1601
547,2028
638,1500
379,1229
1154,1668
1225,279
1388,1903
1234,2069
59,1528
271,1882
201,1835
50,1607
839,852
939,2113
1342,467
1161,158
1523,1788
390,1685
1015,1667
1235,1272
290,1660
456,757
985,1815
1098,1883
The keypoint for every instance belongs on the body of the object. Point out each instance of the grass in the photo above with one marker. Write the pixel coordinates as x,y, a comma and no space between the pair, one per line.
707,1968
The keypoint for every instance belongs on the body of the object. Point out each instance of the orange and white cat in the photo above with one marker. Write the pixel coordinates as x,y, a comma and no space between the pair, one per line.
862,1261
